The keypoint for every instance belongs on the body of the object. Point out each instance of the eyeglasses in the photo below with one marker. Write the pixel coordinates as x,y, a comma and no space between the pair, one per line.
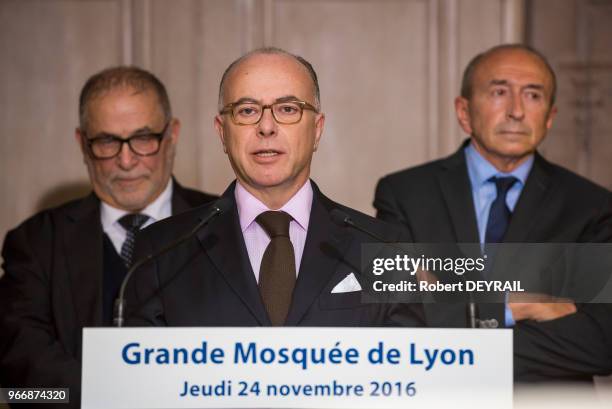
250,113
142,144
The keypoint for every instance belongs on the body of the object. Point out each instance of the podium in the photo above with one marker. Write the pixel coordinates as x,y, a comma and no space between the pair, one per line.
296,367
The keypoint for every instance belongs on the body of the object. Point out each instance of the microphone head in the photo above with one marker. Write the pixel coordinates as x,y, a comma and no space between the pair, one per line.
219,206
340,218
222,205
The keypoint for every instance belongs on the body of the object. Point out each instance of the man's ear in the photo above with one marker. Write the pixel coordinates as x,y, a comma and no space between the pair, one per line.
81,140
79,137
551,115
462,110
175,129
319,125
220,131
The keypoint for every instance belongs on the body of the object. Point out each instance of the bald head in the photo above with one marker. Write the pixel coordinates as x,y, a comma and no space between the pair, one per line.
507,104
304,65
479,61
274,126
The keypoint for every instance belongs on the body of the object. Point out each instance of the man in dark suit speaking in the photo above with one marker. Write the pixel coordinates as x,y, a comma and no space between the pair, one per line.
63,266
275,257
497,188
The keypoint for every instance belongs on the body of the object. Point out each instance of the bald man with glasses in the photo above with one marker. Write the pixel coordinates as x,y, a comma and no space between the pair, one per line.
275,257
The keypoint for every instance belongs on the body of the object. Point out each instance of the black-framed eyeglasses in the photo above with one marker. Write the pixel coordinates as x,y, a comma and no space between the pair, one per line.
250,113
142,144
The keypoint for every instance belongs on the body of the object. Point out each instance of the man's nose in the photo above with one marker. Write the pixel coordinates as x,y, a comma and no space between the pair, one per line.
267,125
516,110
126,158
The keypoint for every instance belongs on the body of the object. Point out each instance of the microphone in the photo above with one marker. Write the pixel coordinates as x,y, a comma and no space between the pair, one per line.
342,219
218,207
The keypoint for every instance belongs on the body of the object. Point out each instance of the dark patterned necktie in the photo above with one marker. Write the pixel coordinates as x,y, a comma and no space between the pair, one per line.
499,213
277,270
131,223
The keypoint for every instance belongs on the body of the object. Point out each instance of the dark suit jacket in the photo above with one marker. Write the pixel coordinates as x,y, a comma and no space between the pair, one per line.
209,281
52,288
434,203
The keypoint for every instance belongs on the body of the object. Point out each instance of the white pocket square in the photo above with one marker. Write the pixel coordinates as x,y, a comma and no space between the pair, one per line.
348,285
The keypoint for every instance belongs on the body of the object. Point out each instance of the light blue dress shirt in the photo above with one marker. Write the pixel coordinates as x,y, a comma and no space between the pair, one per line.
484,192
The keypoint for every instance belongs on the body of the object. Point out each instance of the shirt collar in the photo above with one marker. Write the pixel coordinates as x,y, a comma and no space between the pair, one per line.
298,207
481,170
159,209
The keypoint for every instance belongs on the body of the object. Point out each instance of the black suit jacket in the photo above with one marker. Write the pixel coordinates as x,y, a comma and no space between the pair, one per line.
434,203
52,288
209,281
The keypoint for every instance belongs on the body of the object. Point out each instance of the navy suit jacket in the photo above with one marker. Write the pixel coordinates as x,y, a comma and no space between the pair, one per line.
433,202
52,288
208,281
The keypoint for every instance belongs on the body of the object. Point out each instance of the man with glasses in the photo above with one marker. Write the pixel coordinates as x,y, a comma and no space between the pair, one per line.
63,267
275,257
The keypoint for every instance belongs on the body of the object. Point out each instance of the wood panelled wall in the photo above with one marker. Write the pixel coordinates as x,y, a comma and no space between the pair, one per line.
578,43
389,70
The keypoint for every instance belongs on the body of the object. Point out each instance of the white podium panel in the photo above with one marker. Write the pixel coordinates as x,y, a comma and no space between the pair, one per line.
296,368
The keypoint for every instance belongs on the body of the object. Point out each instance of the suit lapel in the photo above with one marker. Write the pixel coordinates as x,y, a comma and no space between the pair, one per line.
455,185
83,249
531,202
223,242
179,204
325,245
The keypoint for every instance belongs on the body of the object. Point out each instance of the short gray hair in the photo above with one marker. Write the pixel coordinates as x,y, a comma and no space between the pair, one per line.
277,51
468,75
122,76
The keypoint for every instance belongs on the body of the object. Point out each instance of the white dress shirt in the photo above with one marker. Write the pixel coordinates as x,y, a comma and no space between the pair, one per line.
157,210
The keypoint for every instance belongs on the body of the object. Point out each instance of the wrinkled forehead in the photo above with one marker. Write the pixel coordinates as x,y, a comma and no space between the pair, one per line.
515,66
267,77
124,96
124,107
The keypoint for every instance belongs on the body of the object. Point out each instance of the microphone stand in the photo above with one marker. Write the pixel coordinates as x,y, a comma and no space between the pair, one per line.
219,207
343,219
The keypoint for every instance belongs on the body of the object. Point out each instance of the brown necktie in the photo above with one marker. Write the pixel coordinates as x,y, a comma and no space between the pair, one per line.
277,270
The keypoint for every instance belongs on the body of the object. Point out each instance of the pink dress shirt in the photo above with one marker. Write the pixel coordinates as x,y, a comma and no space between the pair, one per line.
256,239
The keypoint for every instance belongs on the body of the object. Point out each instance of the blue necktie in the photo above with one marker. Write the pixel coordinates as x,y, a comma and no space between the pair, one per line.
499,218
499,214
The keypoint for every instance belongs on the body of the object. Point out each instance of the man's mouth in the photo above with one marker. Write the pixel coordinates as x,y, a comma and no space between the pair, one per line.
514,131
267,153
128,180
